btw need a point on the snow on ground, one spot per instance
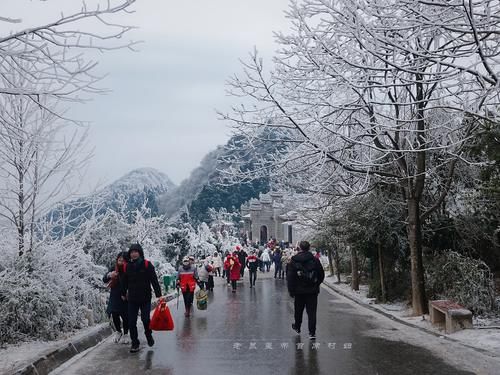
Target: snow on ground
(17, 356)
(480, 337)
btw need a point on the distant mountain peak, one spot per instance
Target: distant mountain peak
(142, 178)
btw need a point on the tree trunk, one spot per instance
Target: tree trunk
(330, 261)
(20, 221)
(419, 300)
(337, 264)
(354, 269)
(381, 273)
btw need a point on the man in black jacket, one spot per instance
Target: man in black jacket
(139, 277)
(305, 275)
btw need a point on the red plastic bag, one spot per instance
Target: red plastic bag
(162, 319)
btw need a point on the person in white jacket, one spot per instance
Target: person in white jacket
(266, 259)
(217, 264)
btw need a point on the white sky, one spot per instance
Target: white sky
(161, 111)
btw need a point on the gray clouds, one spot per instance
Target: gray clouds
(161, 111)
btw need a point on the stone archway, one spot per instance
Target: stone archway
(263, 234)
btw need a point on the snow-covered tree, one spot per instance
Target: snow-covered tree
(375, 92)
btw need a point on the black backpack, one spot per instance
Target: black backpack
(307, 272)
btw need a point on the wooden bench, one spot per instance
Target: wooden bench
(450, 314)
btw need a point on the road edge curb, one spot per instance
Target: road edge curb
(392, 317)
(56, 358)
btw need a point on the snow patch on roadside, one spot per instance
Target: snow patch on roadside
(480, 337)
(13, 357)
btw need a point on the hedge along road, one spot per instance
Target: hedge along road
(250, 333)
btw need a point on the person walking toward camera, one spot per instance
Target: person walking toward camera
(139, 277)
(187, 279)
(253, 266)
(304, 277)
(233, 265)
(117, 308)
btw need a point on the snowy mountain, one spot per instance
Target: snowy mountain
(134, 190)
(139, 180)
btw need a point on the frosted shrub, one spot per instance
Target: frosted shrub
(48, 293)
(465, 280)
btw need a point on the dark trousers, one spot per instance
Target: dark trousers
(228, 276)
(242, 271)
(278, 270)
(188, 299)
(118, 317)
(210, 283)
(133, 312)
(253, 276)
(233, 284)
(310, 302)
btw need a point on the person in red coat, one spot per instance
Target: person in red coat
(232, 264)
(187, 279)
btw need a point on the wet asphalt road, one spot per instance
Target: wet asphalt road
(249, 333)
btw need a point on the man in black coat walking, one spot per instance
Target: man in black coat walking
(304, 277)
(139, 277)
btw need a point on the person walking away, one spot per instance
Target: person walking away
(139, 277)
(117, 308)
(278, 270)
(261, 262)
(266, 259)
(233, 265)
(252, 265)
(305, 275)
(217, 264)
(187, 278)
(242, 257)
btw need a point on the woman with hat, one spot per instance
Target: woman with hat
(187, 279)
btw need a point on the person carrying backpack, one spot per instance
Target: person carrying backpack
(117, 308)
(187, 279)
(305, 275)
(139, 277)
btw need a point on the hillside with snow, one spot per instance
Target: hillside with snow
(139, 180)
(139, 188)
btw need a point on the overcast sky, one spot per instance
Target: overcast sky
(161, 111)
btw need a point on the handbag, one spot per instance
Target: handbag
(162, 318)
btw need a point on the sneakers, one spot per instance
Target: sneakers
(312, 336)
(125, 340)
(234, 290)
(118, 336)
(295, 328)
(150, 339)
(134, 348)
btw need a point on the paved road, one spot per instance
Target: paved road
(249, 333)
